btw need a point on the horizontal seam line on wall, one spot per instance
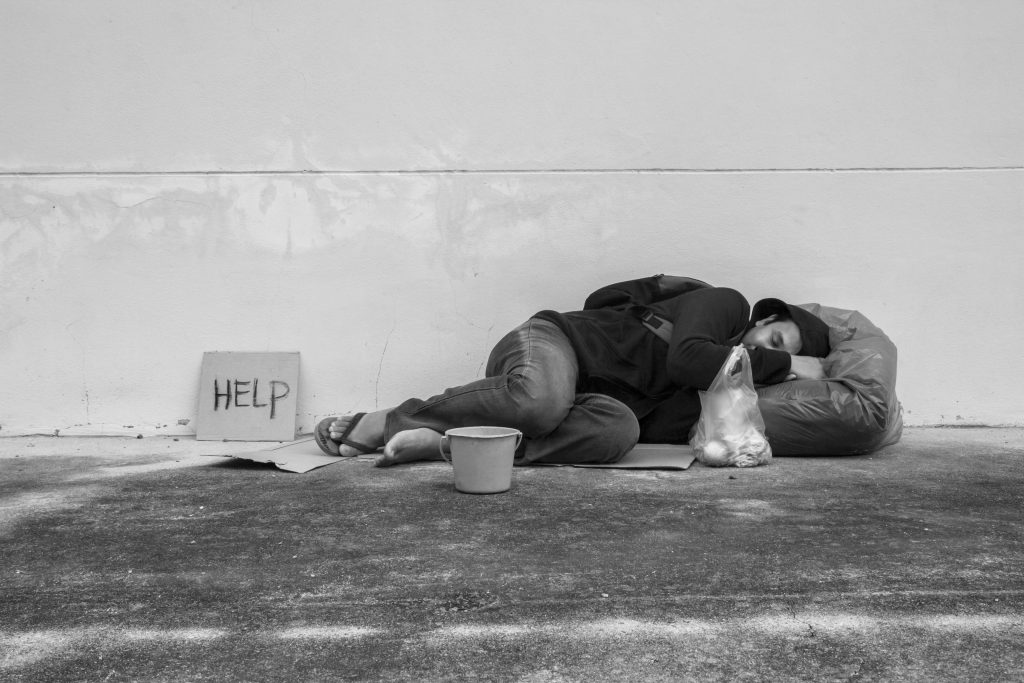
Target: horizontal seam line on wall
(516, 171)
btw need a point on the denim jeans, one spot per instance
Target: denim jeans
(531, 386)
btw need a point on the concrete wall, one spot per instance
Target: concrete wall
(388, 186)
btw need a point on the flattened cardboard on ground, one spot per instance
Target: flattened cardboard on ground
(653, 456)
(298, 456)
(248, 396)
(304, 455)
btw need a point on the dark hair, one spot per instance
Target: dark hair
(813, 331)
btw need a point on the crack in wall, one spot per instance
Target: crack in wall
(515, 171)
(380, 366)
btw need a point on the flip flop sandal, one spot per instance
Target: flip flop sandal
(330, 446)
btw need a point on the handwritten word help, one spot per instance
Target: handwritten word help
(246, 394)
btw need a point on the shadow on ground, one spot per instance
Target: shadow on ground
(140, 560)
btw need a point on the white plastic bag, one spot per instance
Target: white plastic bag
(730, 430)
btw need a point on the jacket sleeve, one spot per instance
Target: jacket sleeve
(638, 292)
(707, 323)
(641, 292)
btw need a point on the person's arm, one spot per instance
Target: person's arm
(806, 367)
(706, 325)
(638, 292)
(642, 292)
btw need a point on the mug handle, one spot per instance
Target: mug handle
(446, 449)
(519, 440)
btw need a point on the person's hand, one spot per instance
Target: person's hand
(806, 367)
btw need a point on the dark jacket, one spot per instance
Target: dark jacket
(620, 357)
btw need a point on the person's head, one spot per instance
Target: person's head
(774, 324)
(777, 331)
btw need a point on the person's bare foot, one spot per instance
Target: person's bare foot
(409, 446)
(369, 431)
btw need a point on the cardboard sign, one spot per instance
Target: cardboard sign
(248, 396)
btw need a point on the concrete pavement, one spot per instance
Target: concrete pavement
(138, 559)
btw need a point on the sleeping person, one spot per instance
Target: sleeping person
(586, 386)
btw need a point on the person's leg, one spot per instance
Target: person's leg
(530, 385)
(598, 429)
(536, 369)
